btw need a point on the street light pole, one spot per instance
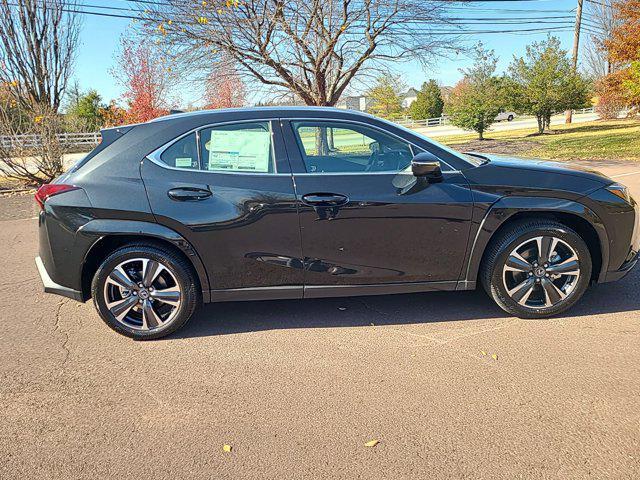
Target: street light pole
(576, 44)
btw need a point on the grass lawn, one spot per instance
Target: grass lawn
(599, 140)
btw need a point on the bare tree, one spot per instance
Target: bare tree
(602, 21)
(30, 148)
(39, 40)
(312, 48)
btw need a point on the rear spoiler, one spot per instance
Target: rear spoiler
(107, 137)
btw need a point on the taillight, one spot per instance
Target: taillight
(50, 189)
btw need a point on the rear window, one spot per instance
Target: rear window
(182, 154)
(241, 147)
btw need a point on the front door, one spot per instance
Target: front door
(364, 218)
(228, 190)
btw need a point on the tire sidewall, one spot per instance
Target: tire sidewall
(183, 277)
(584, 260)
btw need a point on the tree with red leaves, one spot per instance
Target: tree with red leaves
(224, 87)
(145, 80)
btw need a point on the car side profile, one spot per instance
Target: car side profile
(508, 116)
(289, 203)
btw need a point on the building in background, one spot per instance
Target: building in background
(409, 97)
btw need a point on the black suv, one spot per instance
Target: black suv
(278, 203)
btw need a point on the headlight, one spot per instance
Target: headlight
(621, 191)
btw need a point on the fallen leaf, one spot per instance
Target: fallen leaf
(226, 448)
(371, 443)
(494, 356)
(483, 352)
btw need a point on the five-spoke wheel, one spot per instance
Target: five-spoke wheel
(541, 272)
(142, 293)
(536, 268)
(145, 291)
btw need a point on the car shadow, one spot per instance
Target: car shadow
(420, 308)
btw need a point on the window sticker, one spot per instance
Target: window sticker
(242, 150)
(184, 162)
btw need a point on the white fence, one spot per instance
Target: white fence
(33, 140)
(429, 122)
(439, 121)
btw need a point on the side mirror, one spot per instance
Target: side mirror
(426, 165)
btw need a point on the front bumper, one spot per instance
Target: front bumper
(618, 274)
(52, 287)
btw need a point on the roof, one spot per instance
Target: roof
(288, 109)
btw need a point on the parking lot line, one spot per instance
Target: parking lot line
(626, 174)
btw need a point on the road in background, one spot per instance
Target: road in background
(516, 124)
(449, 384)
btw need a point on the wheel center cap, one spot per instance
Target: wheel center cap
(539, 272)
(143, 294)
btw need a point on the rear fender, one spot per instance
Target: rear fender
(94, 231)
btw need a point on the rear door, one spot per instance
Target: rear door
(228, 189)
(363, 218)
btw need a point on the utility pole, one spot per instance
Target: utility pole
(576, 44)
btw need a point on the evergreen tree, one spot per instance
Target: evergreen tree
(429, 103)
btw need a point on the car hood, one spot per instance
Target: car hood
(503, 175)
(507, 161)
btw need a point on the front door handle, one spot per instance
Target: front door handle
(325, 199)
(189, 194)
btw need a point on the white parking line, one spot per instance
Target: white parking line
(626, 174)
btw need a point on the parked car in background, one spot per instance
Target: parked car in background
(285, 203)
(508, 116)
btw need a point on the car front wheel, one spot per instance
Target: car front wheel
(537, 269)
(145, 292)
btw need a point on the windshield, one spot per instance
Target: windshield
(473, 160)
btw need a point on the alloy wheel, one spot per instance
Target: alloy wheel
(142, 294)
(541, 272)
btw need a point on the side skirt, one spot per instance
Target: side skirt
(325, 291)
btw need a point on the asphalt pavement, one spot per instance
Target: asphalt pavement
(448, 384)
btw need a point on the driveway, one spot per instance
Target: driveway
(446, 382)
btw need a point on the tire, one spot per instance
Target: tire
(510, 118)
(508, 280)
(154, 308)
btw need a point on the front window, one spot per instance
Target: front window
(338, 147)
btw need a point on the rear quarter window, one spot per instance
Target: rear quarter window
(182, 154)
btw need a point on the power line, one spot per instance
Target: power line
(515, 20)
(564, 26)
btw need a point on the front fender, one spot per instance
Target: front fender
(94, 231)
(499, 213)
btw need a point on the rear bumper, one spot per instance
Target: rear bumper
(52, 287)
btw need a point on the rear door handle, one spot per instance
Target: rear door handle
(325, 199)
(189, 194)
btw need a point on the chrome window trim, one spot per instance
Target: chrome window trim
(156, 155)
(375, 127)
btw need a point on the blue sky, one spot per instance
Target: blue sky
(100, 39)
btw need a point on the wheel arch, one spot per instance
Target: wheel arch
(105, 236)
(573, 214)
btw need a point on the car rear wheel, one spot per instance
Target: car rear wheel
(510, 118)
(145, 292)
(537, 269)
